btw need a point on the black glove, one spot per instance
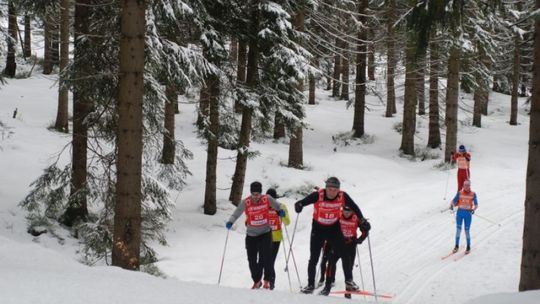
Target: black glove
(365, 226)
(361, 238)
(298, 207)
(472, 211)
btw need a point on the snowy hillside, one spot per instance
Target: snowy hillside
(402, 198)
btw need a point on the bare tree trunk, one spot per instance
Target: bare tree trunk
(312, 87)
(62, 111)
(409, 106)
(210, 206)
(11, 66)
(371, 54)
(204, 107)
(481, 94)
(169, 143)
(47, 60)
(452, 94)
(421, 86)
(233, 50)
(127, 217)
(279, 126)
(360, 89)
(530, 263)
(55, 39)
(515, 82)
(245, 127)
(337, 71)
(241, 71)
(77, 209)
(434, 138)
(296, 150)
(391, 60)
(345, 72)
(27, 36)
(477, 110)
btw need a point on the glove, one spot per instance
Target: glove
(361, 238)
(281, 213)
(451, 206)
(365, 226)
(472, 211)
(228, 225)
(298, 207)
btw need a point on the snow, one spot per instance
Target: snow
(402, 198)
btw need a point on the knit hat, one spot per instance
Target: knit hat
(462, 148)
(272, 192)
(255, 187)
(332, 182)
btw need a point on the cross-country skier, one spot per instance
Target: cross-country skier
(349, 224)
(258, 233)
(467, 203)
(325, 227)
(277, 234)
(463, 159)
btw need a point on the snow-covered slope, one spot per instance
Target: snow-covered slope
(402, 198)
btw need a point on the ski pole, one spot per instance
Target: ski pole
(487, 220)
(223, 257)
(372, 270)
(285, 254)
(291, 252)
(360, 269)
(446, 187)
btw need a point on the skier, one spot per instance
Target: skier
(258, 233)
(467, 203)
(325, 227)
(463, 159)
(277, 234)
(349, 224)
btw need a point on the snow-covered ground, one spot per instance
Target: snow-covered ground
(402, 198)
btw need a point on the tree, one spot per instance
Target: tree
(409, 106)
(390, 58)
(360, 89)
(127, 218)
(516, 69)
(61, 123)
(530, 264)
(421, 86)
(169, 144)
(434, 137)
(452, 94)
(11, 65)
(27, 36)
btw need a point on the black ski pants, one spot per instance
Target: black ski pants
(350, 253)
(334, 238)
(259, 256)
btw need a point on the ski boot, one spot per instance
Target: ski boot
(456, 248)
(308, 289)
(266, 284)
(256, 285)
(351, 286)
(326, 290)
(468, 250)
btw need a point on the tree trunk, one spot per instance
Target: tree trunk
(421, 86)
(515, 82)
(204, 107)
(241, 71)
(371, 55)
(169, 144)
(27, 36)
(296, 150)
(434, 138)
(530, 262)
(210, 206)
(62, 111)
(409, 106)
(245, 127)
(279, 126)
(337, 71)
(391, 60)
(452, 95)
(312, 87)
(55, 39)
(360, 89)
(11, 66)
(477, 110)
(47, 60)
(77, 209)
(345, 72)
(233, 50)
(127, 217)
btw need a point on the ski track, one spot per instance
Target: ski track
(410, 286)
